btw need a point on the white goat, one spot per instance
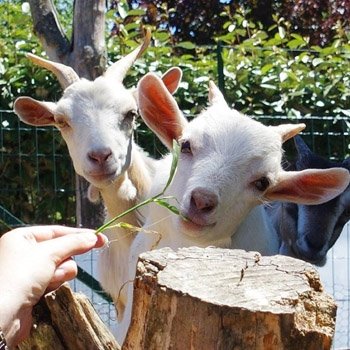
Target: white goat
(309, 231)
(229, 164)
(96, 119)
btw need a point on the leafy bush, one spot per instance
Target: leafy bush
(269, 74)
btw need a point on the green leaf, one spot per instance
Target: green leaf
(292, 76)
(283, 76)
(127, 226)
(281, 32)
(123, 9)
(266, 68)
(293, 44)
(168, 206)
(317, 61)
(161, 36)
(175, 153)
(131, 26)
(186, 45)
(136, 12)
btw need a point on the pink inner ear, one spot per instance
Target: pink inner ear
(172, 78)
(312, 186)
(159, 110)
(33, 112)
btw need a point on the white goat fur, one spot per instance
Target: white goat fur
(96, 120)
(230, 152)
(93, 117)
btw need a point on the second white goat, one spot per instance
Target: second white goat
(228, 166)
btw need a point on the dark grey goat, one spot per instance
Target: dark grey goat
(308, 231)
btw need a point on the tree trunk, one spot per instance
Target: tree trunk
(86, 53)
(87, 214)
(88, 56)
(48, 29)
(66, 320)
(228, 299)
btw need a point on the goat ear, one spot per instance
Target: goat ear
(35, 112)
(172, 79)
(159, 109)
(288, 131)
(215, 95)
(311, 186)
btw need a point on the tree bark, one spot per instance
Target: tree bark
(48, 29)
(66, 320)
(88, 57)
(228, 299)
(86, 54)
(88, 214)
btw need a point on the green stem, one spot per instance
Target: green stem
(175, 152)
(112, 221)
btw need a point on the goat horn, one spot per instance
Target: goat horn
(119, 69)
(65, 74)
(215, 95)
(287, 131)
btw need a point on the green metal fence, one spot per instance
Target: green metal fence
(37, 187)
(37, 180)
(36, 174)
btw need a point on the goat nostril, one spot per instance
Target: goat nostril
(100, 156)
(204, 200)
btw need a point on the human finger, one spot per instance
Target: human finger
(43, 233)
(66, 271)
(101, 240)
(66, 246)
(55, 231)
(53, 286)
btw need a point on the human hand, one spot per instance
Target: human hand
(35, 260)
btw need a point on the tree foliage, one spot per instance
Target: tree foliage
(200, 21)
(321, 20)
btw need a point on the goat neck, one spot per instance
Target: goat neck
(130, 187)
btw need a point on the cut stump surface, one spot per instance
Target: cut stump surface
(215, 298)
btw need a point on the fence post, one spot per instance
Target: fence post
(220, 67)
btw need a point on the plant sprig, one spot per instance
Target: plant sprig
(157, 199)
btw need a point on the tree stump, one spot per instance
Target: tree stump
(228, 299)
(67, 321)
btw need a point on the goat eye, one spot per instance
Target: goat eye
(186, 147)
(131, 115)
(262, 184)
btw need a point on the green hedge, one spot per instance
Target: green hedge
(267, 76)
